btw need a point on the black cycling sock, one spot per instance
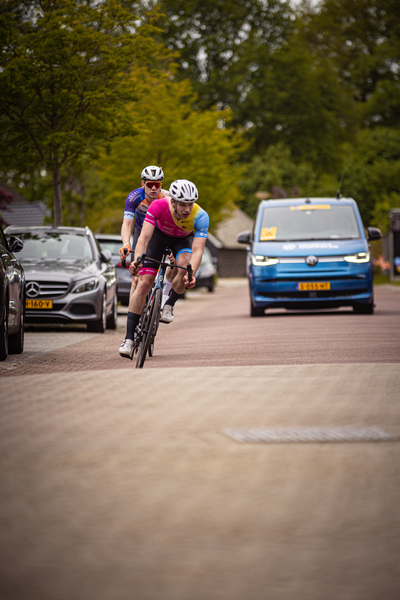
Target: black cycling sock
(132, 321)
(173, 297)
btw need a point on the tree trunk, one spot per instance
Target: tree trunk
(57, 197)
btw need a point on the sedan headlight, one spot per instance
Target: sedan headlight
(86, 286)
(360, 257)
(263, 261)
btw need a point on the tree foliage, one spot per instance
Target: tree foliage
(63, 68)
(274, 174)
(190, 144)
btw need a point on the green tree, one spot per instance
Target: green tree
(274, 174)
(221, 42)
(372, 174)
(361, 38)
(250, 57)
(63, 76)
(187, 143)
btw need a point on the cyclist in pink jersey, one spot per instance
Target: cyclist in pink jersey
(180, 224)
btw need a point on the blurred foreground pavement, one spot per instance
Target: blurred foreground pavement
(121, 484)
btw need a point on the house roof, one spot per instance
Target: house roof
(227, 232)
(21, 212)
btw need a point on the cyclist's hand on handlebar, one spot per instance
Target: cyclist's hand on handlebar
(189, 284)
(171, 258)
(124, 251)
(135, 266)
(133, 269)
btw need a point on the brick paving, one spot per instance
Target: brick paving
(118, 483)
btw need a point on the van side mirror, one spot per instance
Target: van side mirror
(374, 234)
(244, 237)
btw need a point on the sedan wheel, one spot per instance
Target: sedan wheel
(112, 319)
(99, 326)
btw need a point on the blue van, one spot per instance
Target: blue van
(310, 253)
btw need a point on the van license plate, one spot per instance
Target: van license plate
(313, 286)
(39, 304)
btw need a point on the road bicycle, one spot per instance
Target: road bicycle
(146, 330)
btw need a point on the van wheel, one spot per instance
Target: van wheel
(364, 309)
(255, 311)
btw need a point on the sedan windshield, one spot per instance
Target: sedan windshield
(309, 222)
(55, 246)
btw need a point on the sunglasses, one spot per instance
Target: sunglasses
(153, 184)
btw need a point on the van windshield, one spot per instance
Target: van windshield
(309, 222)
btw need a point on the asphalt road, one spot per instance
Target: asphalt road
(118, 483)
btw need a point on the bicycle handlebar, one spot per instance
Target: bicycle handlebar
(142, 257)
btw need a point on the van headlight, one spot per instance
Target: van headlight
(360, 257)
(263, 261)
(85, 286)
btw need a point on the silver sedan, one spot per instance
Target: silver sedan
(68, 278)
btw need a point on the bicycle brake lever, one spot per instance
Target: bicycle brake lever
(190, 272)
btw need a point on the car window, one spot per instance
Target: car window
(309, 221)
(111, 245)
(55, 246)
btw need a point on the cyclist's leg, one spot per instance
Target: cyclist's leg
(146, 278)
(135, 278)
(182, 251)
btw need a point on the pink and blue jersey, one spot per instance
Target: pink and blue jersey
(160, 214)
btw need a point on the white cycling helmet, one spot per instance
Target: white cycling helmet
(152, 173)
(183, 190)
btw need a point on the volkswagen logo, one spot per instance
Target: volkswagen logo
(311, 260)
(32, 289)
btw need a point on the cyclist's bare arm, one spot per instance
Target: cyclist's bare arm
(144, 239)
(197, 253)
(126, 236)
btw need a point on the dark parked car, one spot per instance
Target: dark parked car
(69, 279)
(12, 298)
(113, 243)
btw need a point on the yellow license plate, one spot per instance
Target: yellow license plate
(39, 304)
(314, 286)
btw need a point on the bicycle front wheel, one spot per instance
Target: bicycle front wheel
(154, 331)
(149, 326)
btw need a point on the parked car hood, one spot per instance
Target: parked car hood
(306, 247)
(57, 267)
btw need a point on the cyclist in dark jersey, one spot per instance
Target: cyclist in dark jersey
(136, 205)
(176, 222)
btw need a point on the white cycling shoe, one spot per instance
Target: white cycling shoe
(126, 348)
(167, 315)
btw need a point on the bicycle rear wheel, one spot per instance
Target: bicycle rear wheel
(149, 328)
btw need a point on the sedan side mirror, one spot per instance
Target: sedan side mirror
(374, 234)
(244, 237)
(105, 256)
(15, 245)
